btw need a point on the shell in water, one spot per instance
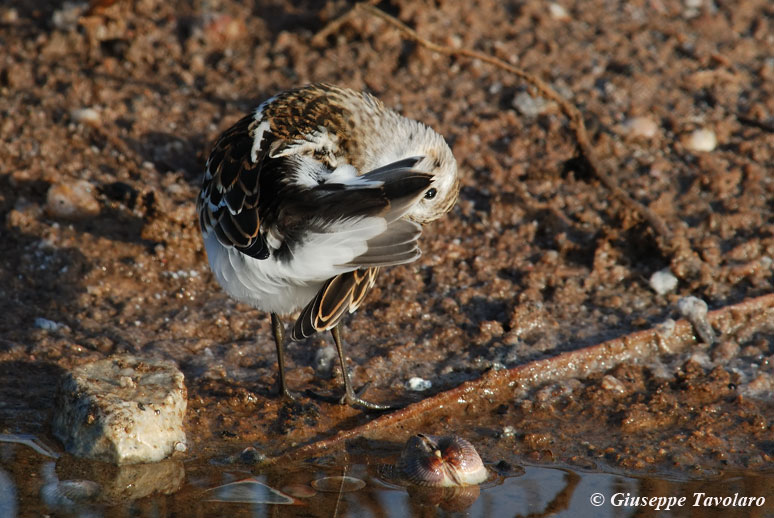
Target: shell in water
(441, 461)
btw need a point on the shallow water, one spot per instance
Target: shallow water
(33, 485)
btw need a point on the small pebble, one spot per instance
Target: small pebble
(695, 310)
(641, 127)
(66, 17)
(418, 384)
(702, 140)
(72, 200)
(663, 281)
(529, 106)
(323, 361)
(508, 432)
(88, 115)
(613, 384)
(558, 12)
(47, 325)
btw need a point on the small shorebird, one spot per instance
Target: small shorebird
(305, 198)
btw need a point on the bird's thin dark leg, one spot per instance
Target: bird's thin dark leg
(279, 341)
(350, 397)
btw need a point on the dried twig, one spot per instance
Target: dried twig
(755, 123)
(570, 111)
(496, 387)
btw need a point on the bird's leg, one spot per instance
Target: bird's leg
(279, 341)
(350, 397)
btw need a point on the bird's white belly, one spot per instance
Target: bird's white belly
(268, 284)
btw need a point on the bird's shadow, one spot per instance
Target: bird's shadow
(27, 406)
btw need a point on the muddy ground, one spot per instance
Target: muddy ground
(107, 115)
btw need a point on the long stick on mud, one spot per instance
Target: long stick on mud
(497, 387)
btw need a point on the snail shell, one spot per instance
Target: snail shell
(441, 461)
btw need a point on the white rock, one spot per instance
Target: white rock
(72, 200)
(702, 140)
(558, 12)
(89, 115)
(692, 308)
(100, 416)
(66, 17)
(695, 310)
(529, 106)
(418, 384)
(663, 281)
(641, 127)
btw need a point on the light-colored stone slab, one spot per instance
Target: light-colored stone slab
(122, 410)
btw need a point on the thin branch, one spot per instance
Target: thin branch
(569, 110)
(497, 387)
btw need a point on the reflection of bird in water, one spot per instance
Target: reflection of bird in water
(69, 497)
(306, 198)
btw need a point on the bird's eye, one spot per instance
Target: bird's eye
(430, 194)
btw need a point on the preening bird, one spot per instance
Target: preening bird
(307, 197)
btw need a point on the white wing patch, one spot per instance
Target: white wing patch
(283, 286)
(262, 127)
(348, 175)
(259, 130)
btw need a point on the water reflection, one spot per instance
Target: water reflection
(175, 489)
(68, 497)
(7, 495)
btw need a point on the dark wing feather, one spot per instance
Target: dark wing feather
(297, 213)
(340, 295)
(228, 202)
(344, 293)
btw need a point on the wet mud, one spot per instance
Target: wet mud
(108, 113)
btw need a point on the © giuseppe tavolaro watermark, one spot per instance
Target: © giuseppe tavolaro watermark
(665, 503)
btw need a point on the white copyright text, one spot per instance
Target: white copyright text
(665, 503)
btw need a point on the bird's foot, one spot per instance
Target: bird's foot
(354, 400)
(287, 395)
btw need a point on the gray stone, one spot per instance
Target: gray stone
(122, 410)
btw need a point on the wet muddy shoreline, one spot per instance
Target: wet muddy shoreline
(108, 114)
